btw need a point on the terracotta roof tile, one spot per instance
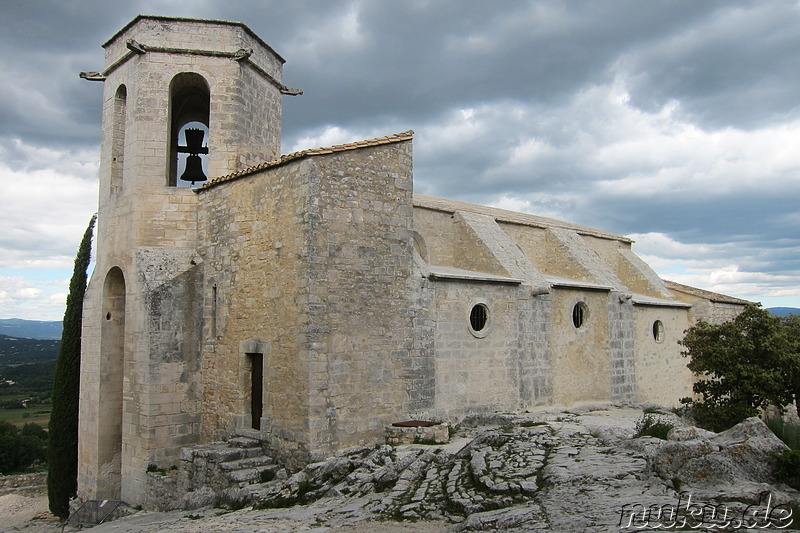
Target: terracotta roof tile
(388, 139)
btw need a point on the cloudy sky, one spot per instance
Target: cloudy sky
(676, 123)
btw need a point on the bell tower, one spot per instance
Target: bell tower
(183, 100)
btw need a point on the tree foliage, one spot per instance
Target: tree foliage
(62, 450)
(742, 365)
(20, 449)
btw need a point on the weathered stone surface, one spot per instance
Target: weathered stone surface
(202, 497)
(689, 433)
(528, 515)
(434, 434)
(523, 473)
(733, 456)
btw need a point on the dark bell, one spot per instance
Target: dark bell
(194, 140)
(194, 169)
(194, 165)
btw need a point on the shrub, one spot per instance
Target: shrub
(652, 426)
(788, 433)
(718, 416)
(786, 467)
(742, 366)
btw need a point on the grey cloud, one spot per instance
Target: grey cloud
(737, 67)
(413, 64)
(751, 225)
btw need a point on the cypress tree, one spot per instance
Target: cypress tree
(62, 446)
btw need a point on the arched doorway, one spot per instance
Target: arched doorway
(112, 359)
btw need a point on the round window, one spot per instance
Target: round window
(479, 323)
(478, 317)
(658, 331)
(579, 314)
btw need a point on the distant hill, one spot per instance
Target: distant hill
(16, 350)
(30, 329)
(784, 311)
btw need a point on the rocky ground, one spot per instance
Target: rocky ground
(580, 470)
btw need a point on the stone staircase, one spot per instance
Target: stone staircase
(222, 466)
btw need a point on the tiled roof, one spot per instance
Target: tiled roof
(502, 215)
(708, 295)
(389, 139)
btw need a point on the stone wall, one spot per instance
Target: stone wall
(476, 371)
(720, 312)
(255, 258)
(556, 362)
(24, 484)
(621, 347)
(661, 374)
(533, 242)
(313, 259)
(638, 276)
(362, 308)
(437, 230)
(534, 359)
(581, 362)
(169, 383)
(472, 249)
(419, 368)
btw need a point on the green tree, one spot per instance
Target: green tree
(742, 365)
(62, 449)
(792, 331)
(9, 447)
(21, 449)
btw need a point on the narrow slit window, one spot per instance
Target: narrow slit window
(214, 311)
(118, 138)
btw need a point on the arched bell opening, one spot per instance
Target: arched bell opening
(190, 99)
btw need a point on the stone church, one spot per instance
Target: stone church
(308, 300)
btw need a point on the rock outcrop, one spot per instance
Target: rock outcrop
(581, 470)
(733, 464)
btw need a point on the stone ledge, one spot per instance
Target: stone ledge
(417, 432)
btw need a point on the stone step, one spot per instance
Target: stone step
(216, 452)
(249, 462)
(244, 442)
(251, 475)
(252, 452)
(224, 455)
